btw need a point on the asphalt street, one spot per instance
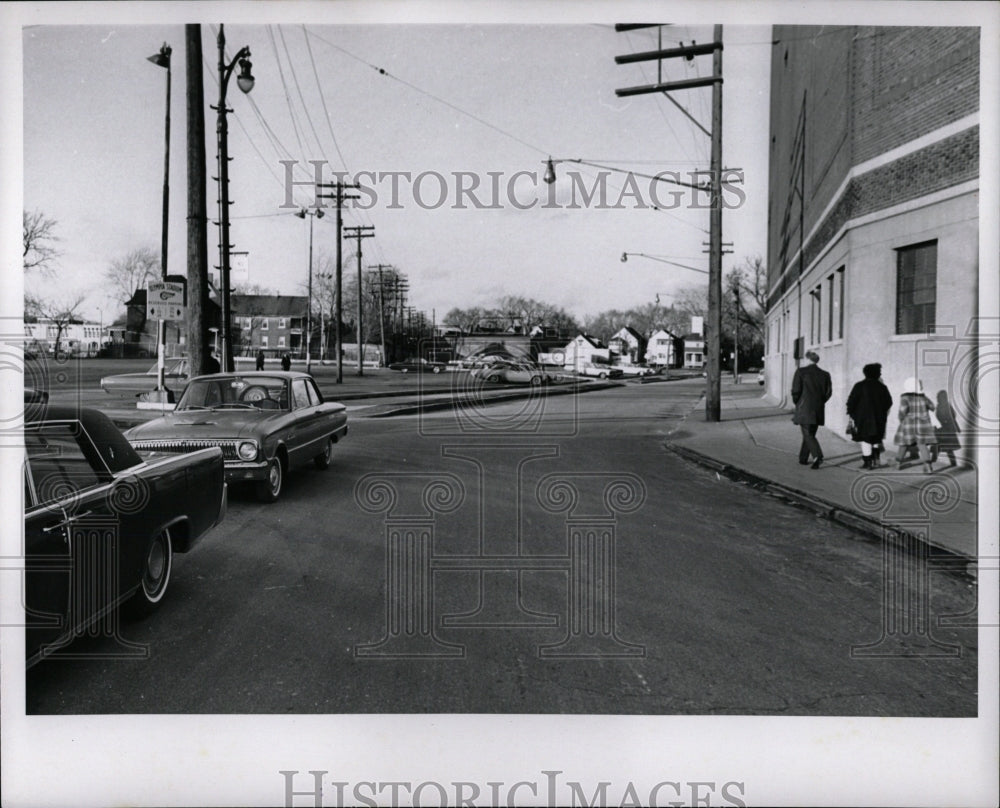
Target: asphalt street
(540, 556)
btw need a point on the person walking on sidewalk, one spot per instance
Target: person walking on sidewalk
(868, 406)
(915, 424)
(286, 362)
(811, 389)
(260, 359)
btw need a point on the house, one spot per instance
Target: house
(664, 349)
(585, 350)
(275, 324)
(627, 347)
(694, 350)
(873, 237)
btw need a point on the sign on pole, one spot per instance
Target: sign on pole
(165, 300)
(239, 267)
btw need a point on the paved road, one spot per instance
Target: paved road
(508, 522)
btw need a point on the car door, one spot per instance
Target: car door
(309, 427)
(71, 536)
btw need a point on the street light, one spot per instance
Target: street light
(316, 214)
(162, 59)
(245, 81)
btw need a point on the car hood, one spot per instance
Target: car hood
(217, 424)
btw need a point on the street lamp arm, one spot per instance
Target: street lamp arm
(625, 256)
(705, 186)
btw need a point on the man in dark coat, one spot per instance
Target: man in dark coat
(811, 389)
(260, 360)
(868, 405)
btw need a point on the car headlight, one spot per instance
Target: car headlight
(247, 450)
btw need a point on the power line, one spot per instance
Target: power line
(298, 88)
(382, 71)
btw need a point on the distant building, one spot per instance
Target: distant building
(694, 350)
(81, 338)
(664, 349)
(873, 242)
(275, 324)
(585, 350)
(628, 346)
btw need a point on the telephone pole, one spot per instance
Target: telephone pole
(197, 208)
(360, 232)
(381, 306)
(713, 324)
(339, 197)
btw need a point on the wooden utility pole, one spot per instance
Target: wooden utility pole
(381, 306)
(360, 232)
(713, 330)
(713, 324)
(339, 197)
(197, 217)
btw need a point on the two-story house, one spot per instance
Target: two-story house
(627, 347)
(275, 324)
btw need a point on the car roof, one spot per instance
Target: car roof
(115, 450)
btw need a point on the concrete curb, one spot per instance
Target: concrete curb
(452, 403)
(828, 510)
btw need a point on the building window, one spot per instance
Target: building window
(263, 342)
(263, 323)
(281, 342)
(816, 331)
(281, 322)
(916, 288)
(835, 320)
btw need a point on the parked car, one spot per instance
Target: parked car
(265, 422)
(133, 384)
(512, 373)
(101, 523)
(419, 366)
(635, 370)
(601, 371)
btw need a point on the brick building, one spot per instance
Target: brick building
(873, 209)
(274, 323)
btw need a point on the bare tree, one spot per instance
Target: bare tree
(132, 271)
(59, 313)
(39, 237)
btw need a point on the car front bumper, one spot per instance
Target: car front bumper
(240, 471)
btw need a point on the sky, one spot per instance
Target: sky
(489, 101)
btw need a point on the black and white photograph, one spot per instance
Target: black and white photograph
(492, 404)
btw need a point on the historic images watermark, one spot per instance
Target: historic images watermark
(521, 190)
(411, 504)
(314, 788)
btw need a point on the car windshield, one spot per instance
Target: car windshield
(236, 392)
(169, 366)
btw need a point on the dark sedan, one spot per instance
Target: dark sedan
(419, 366)
(264, 421)
(134, 384)
(101, 524)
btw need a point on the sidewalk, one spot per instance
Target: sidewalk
(757, 442)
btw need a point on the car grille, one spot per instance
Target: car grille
(188, 445)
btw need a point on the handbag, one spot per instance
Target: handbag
(851, 428)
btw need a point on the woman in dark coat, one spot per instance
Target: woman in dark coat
(915, 425)
(868, 405)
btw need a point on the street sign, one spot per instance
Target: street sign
(239, 267)
(165, 300)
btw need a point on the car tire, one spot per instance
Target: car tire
(602, 375)
(156, 567)
(536, 381)
(270, 489)
(435, 370)
(322, 461)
